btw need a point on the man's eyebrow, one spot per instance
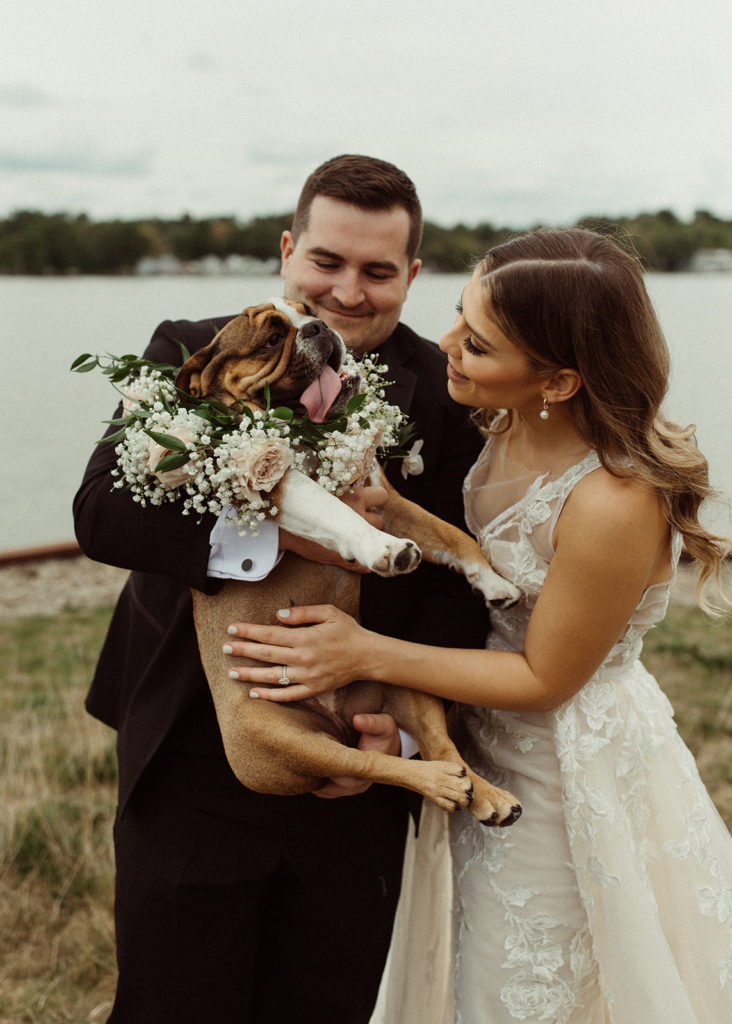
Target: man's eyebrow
(318, 250)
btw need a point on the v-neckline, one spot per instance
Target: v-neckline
(539, 482)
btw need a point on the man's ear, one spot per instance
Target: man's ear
(413, 271)
(287, 246)
(562, 385)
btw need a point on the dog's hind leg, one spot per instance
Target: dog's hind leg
(290, 754)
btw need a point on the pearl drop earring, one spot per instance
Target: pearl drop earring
(544, 414)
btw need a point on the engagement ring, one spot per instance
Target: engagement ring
(284, 679)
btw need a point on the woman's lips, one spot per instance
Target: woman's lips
(454, 375)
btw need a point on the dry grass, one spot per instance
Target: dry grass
(57, 794)
(691, 656)
(57, 776)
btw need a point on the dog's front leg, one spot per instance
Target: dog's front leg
(444, 544)
(308, 510)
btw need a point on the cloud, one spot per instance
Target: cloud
(77, 162)
(22, 95)
(201, 62)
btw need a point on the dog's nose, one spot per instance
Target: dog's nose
(310, 330)
(329, 343)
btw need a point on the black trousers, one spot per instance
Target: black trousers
(262, 910)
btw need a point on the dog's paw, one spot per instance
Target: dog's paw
(395, 557)
(446, 783)
(494, 808)
(497, 592)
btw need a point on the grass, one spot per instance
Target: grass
(57, 792)
(691, 656)
(57, 797)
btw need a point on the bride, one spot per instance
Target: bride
(611, 899)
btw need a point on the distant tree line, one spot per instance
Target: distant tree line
(40, 243)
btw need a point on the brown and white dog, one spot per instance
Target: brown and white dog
(294, 748)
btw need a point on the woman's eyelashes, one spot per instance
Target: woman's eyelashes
(470, 347)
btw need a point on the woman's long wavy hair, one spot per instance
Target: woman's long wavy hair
(575, 299)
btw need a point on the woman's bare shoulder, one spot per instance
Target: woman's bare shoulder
(615, 507)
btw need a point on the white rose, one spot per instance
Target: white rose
(171, 478)
(262, 464)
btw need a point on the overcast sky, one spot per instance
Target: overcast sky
(509, 111)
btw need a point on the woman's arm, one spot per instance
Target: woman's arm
(611, 542)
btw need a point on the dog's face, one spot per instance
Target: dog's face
(279, 344)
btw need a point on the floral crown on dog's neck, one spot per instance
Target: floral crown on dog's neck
(215, 458)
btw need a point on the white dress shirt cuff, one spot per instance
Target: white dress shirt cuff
(236, 556)
(409, 744)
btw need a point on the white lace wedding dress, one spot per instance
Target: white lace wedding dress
(610, 900)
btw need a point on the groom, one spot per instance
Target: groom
(230, 905)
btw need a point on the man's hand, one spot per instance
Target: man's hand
(366, 501)
(378, 732)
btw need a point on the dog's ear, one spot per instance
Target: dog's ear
(189, 375)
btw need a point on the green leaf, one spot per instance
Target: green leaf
(283, 413)
(113, 438)
(355, 403)
(219, 407)
(167, 441)
(174, 461)
(121, 421)
(184, 351)
(76, 365)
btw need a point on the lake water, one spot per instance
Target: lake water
(50, 418)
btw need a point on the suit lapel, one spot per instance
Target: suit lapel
(396, 352)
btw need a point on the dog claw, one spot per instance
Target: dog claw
(512, 817)
(499, 603)
(496, 822)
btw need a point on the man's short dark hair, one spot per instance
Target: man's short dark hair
(365, 182)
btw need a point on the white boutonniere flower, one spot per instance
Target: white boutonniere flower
(413, 463)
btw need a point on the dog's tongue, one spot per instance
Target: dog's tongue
(320, 395)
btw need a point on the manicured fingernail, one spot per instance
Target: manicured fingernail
(253, 693)
(284, 613)
(228, 649)
(232, 630)
(233, 674)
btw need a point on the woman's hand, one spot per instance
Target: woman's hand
(314, 659)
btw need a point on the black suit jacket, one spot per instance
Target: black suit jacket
(149, 672)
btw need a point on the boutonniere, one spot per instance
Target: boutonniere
(412, 462)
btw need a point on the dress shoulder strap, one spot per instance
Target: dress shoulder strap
(566, 483)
